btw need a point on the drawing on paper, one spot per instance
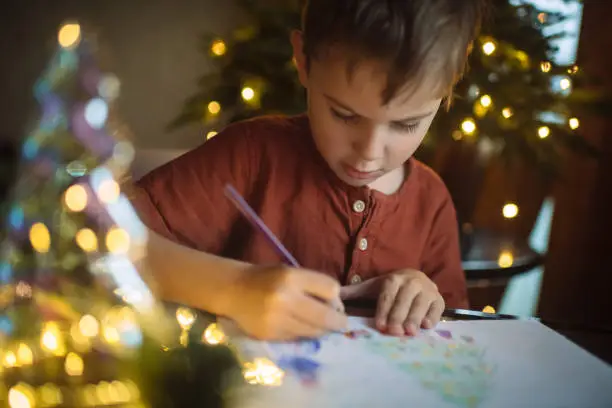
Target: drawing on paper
(299, 358)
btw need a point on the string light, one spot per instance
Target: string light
(565, 83)
(211, 134)
(213, 335)
(248, 93)
(545, 66)
(489, 47)
(506, 259)
(218, 48)
(510, 210)
(109, 191)
(263, 372)
(488, 309)
(51, 339)
(507, 112)
(185, 317)
(457, 135)
(468, 126)
(573, 70)
(69, 35)
(76, 198)
(544, 132)
(89, 326)
(40, 238)
(574, 123)
(542, 17)
(87, 240)
(117, 241)
(21, 396)
(24, 355)
(9, 360)
(74, 365)
(486, 101)
(214, 108)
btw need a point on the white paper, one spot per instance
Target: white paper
(483, 364)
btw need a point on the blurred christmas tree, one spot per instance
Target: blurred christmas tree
(514, 102)
(78, 325)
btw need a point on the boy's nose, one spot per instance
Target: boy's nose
(370, 145)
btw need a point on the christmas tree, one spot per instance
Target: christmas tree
(513, 103)
(78, 324)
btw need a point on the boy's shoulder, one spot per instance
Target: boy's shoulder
(431, 187)
(271, 128)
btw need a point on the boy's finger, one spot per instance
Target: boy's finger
(317, 314)
(401, 308)
(316, 284)
(389, 290)
(434, 313)
(418, 310)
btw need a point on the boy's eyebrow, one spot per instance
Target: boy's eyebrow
(408, 119)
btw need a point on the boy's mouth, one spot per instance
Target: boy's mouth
(360, 175)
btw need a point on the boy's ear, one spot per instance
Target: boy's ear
(297, 42)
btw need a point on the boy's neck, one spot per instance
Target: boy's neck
(391, 182)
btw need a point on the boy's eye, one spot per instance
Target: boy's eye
(406, 127)
(347, 118)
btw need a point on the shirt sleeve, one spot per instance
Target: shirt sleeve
(442, 260)
(184, 199)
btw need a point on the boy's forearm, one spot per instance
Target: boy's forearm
(193, 278)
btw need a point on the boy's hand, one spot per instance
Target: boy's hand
(407, 301)
(282, 303)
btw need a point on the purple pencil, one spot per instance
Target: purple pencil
(259, 225)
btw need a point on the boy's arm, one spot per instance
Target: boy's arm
(442, 258)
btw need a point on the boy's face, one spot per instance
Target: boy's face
(362, 139)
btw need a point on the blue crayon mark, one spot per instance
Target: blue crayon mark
(305, 368)
(5, 273)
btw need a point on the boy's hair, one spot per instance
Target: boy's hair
(418, 40)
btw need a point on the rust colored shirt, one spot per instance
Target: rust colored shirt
(350, 233)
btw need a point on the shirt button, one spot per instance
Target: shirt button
(355, 279)
(358, 206)
(363, 244)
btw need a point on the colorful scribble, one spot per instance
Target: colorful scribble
(357, 334)
(298, 358)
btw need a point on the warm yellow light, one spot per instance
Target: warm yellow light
(21, 396)
(523, 59)
(573, 70)
(109, 191)
(468, 126)
(79, 341)
(111, 335)
(574, 123)
(10, 359)
(505, 259)
(544, 132)
(74, 365)
(76, 198)
(510, 210)
(117, 241)
(214, 108)
(263, 372)
(479, 110)
(486, 101)
(507, 113)
(488, 309)
(40, 238)
(87, 240)
(489, 47)
(51, 339)
(211, 134)
(545, 66)
(213, 335)
(457, 135)
(565, 83)
(69, 35)
(50, 395)
(248, 93)
(104, 393)
(121, 392)
(218, 48)
(542, 17)
(89, 326)
(185, 317)
(24, 355)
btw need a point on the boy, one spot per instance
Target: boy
(338, 186)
